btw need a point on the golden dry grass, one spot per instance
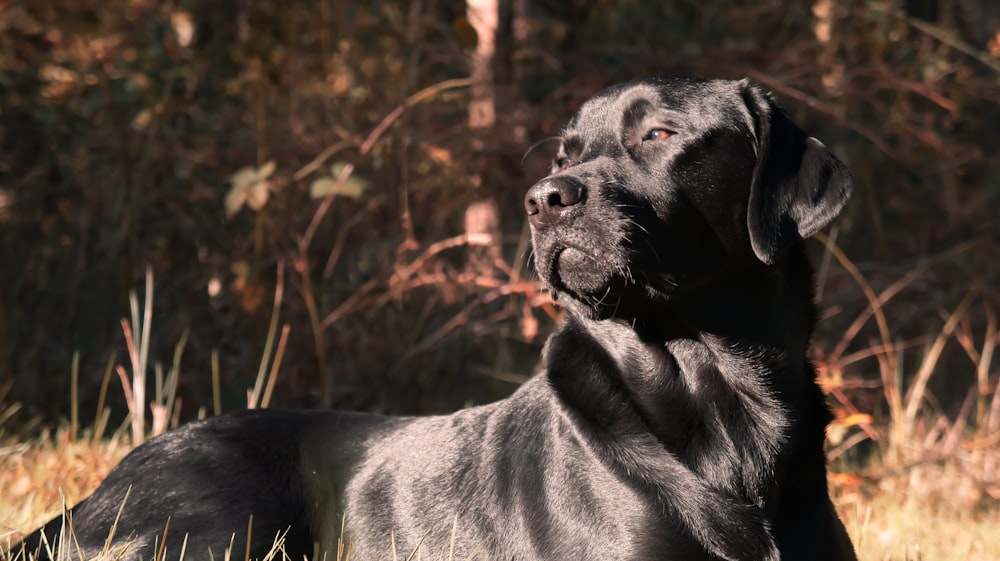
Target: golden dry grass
(931, 491)
(901, 527)
(911, 517)
(36, 476)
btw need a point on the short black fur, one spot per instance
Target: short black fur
(677, 418)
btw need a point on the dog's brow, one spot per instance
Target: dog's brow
(572, 144)
(635, 113)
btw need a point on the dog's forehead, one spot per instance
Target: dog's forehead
(707, 101)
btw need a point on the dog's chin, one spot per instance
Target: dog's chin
(576, 273)
(602, 290)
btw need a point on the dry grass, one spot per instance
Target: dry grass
(36, 476)
(931, 485)
(909, 517)
(907, 525)
(929, 488)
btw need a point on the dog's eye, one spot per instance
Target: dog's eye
(562, 163)
(657, 134)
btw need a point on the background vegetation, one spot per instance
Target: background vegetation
(329, 217)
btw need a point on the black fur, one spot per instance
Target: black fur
(677, 419)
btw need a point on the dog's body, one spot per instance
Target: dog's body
(677, 417)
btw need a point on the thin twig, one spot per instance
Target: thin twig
(983, 366)
(366, 146)
(275, 366)
(324, 206)
(952, 41)
(873, 300)
(918, 387)
(322, 157)
(891, 291)
(216, 386)
(265, 359)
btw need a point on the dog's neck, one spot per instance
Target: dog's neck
(745, 301)
(687, 372)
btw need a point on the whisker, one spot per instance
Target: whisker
(639, 226)
(645, 239)
(536, 145)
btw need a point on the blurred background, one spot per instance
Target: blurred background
(318, 203)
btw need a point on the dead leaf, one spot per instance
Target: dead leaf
(352, 186)
(250, 186)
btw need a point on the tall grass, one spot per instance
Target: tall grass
(39, 477)
(933, 472)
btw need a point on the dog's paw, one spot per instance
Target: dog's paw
(752, 546)
(739, 533)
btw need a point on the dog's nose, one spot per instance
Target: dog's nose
(548, 199)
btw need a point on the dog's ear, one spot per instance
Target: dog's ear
(798, 185)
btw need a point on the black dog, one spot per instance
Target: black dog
(677, 419)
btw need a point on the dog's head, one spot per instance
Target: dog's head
(665, 182)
